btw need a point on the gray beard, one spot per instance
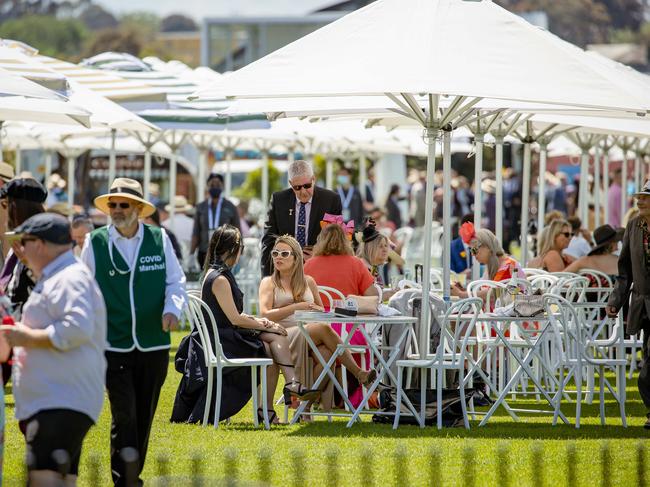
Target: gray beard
(126, 222)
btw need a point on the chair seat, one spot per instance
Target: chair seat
(247, 362)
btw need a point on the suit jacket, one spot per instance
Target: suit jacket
(229, 215)
(633, 279)
(281, 221)
(458, 263)
(356, 206)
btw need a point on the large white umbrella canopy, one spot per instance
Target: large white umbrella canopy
(435, 48)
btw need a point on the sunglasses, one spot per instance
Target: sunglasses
(474, 250)
(567, 234)
(24, 240)
(281, 253)
(112, 205)
(298, 187)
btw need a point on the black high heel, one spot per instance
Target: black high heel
(272, 416)
(302, 393)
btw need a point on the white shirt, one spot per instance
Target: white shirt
(175, 297)
(307, 212)
(578, 247)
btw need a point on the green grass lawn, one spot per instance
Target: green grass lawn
(529, 452)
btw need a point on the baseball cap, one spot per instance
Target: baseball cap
(50, 227)
(24, 189)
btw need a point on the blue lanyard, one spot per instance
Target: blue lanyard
(346, 199)
(214, 217)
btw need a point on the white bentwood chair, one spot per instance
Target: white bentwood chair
(215, 360)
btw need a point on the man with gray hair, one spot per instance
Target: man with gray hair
(297, 211)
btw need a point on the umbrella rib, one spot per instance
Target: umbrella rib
(404, 106)
(414, 107)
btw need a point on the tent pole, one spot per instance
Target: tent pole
(329, 173)
(597, 204)
(478, 192)
(71, 181)
(584, 185)
(606, 181)
(291, 154)
(624, 183)
(430, 134)
(112, 160)
(446, 217)
(204, 156)
(19, 161)
(525, 199)
(637, 167)
(265, 180)
(172, 187)
(48, 166)
(498, 217)
(147, 173)
(363, 174)
(229, 154)
(541, 196)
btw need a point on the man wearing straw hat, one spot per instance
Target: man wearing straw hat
(144, 290)
(634, 278)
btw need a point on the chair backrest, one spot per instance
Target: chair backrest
(495, 290)
(330, 294)
(600, 277)
(543, 282)
(567, 332)
(531, 271)
(458, 325)
(572, 288)
(197, 311)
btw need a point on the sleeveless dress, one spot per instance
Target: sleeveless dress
(235, 342)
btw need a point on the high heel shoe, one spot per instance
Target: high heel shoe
(367, 377)
(273, 417)
(301, 393)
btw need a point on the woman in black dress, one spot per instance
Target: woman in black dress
(241, 336)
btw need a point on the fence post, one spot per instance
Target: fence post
(401, 471)
(435, 470)
(299, 467)
(197, 469)
(366, 465)
(503, 467)
(537, 462)
(264, 459)
(469, 471)
(332, 467)
(571, 463)
(606, 461)
(230, 455)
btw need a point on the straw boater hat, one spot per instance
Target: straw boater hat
(125, 188)
(180, 204)
(6, 172)
(645, 190)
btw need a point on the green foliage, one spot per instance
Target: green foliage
(252, 187)
(51, 36)
(127, 40)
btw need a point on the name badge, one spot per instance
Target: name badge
(346, 214)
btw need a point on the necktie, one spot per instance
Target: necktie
(302, 222)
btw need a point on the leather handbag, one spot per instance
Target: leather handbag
(528, 305)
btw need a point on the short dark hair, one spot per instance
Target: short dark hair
(214, 175)
(575, 223)
(468, 218)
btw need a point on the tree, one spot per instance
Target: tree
(118, 40)
(625, 14)
(252, 187)
(96, 18)
(51, 36)
(178, 23)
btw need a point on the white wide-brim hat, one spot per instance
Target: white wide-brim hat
(180, 204)
(125, 188)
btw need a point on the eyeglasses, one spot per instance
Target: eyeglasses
(567, 234)
(24, 240)
(298, 187)
(474, 250)
(285, 254)
(112, 205)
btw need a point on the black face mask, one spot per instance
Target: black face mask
(215, 192)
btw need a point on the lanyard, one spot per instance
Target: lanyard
(110, 255)
(214, 217)
(346, 199)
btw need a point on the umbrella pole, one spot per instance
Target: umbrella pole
(498, 217)
(584, 185)
(606, 181)
(478, 195)
(228, 179)
(71, 182)
(147, 173)
(112, 160)
(19, 161)
(637, 169)
(624, 184)
(423, 338)
(363, 168)
(329, 173)
(446, 216)
(173, 167)
(541, 196)
(204, 156)
(48, 166)
(525, 200)
(265, 180)
(597, 204)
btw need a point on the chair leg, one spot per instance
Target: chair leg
(578, 379)
(398, 399)
(264, 404)
(439, 383)
(558, 396)
(208, 397)
(621, 393)
(255, 392)
(601, 395)
(423, 397)
(344, 383)
(217, 406)
(463, 405)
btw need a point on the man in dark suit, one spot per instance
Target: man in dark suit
(634, 278)
(297, 211)
(461, 258)
(211, 214)
(350, 198)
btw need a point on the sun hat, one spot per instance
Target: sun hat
(125, 188)
(180, 204)
(6, 172)
(645, 190)
(605, 235)
(24, 189)
(50, 227)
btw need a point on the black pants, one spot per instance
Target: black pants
(644, 371)
(133, 382)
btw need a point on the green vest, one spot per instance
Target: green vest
(135, 299)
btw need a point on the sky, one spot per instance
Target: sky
(199, 9)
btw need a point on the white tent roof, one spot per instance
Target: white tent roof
(454, 47)
(21, 109)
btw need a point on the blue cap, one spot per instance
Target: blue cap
(50, 227)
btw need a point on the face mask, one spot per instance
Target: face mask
(215, 192)
(343, 179)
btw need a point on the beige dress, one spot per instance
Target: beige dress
(299, 346)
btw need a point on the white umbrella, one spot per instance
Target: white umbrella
(425, 47)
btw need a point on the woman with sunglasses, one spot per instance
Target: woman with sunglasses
(487, 250)
(242, 335)
(288, 290)
(555, 237)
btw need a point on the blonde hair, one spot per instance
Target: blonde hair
(369, 250)
(549, 234)
(487, 239)
(332, 241)
(298, 281)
